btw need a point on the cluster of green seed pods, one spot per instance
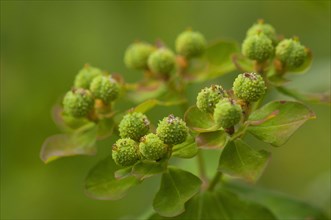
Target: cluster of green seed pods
(137, 143)
(262, 44)
(90, 84)
(225, 107)
(161, 59)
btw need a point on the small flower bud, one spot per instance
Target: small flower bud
(172, 130)
(152, 148)
(190, 44)
(260, 27)
(227, 113)
(137, 54)
(249, 87)
(209, 97)
(162, 61)
(291, 53)
(104, 88)
(85, 76)
(125, 152)
(257, 47)
(78, 102)
(134, 125)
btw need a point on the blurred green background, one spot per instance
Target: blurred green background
(45, 43)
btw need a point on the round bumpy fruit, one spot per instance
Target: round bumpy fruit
(125, 152)
(209, 97)
(104, 88)
(258, 47)
(291, 53)
(162, 61)
(249, 87)
(134, 125)
(266, 29)
(78, 102)
(85, 76)
(137, 54)
(227, 113)
(152, 147)
(172, 130)
(190, 44)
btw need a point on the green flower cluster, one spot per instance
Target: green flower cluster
(225, 108)
(160, 59)
(261, 44)
(137, 143)
(90, 84)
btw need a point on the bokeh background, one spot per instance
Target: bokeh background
(45, 43)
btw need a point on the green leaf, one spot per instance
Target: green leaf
(240, 160)
(275, 78)
(177, 187)
(124, 172)
(80, 142)
(287, 117)
(101, 184)
(146, 169)
(144, 91)
(151, 103)
(221, 205)
(218, 60)
(187, 149)
(242, 63)
(212, 140)
(281, 205)
(314, 98)
(199, 121)
(65, 122)
(105, 128)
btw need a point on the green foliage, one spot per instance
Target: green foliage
(221, 204)
(101, 184)
(238, 159)
(275, 122)
(281, 205)
(199, 121)
(187, 149)
(216, 61)
(212, 140)
(177, 187)
(80, 142)
(219, 121)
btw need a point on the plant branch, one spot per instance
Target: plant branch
(202, 170)
(214, 181)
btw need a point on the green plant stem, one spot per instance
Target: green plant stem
(214, 181)
(202, 170)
